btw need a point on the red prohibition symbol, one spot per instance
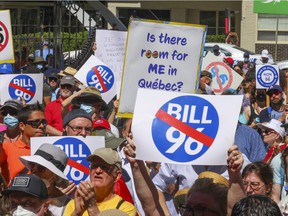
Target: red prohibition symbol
(4, 36)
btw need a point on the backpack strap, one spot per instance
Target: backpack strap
(120, 203)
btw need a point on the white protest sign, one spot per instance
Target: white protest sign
(266, 76)
(77, 148)
(110, 49)
(27, 86)
(160, 55)
(6, 38)
(97, 74)
(184, 128)
(223, 76)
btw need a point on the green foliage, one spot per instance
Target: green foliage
(34, 41)
(216, 38)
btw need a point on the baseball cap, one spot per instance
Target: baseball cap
(76, 113)
(28, 183)
(246, 55)
(108, 155)
(53, 75)
(6, 68)
(275, 125)
(111, 141)
(14, 104)
(229, 60)
(101, 123)
(273, 88)
(67, 80)
(264, 53)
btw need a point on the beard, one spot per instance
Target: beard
(65, 93)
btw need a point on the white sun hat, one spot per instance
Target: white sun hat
(49, 156)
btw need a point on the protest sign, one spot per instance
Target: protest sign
(6, 38)
(223, 76)
(266, 76)
(27, 86)
(110, 49)
(97, 74)
(184, 128)
(77, 148)
(160, 55)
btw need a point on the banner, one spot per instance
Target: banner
(26, 86)
(6, 38)
(161, 56)
(184, 128)
(270, 6)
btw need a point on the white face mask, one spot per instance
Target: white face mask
(23, 212)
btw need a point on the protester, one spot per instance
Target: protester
(256, 205)
(32, 123)
(205, 83)
(97, 195)
(48, 163)
(216, 52)
(53, 82)
(264, 57)
(53, 110)
(27, 195)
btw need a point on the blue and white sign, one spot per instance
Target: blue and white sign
(77, 148)
(24, 86)
(184, 128)
(266, 76)
(97, 74)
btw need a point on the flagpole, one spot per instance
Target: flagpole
(276, 41)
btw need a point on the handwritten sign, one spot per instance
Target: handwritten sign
(6, 39)
(110, 49)
(17, 86)
(160, 56)
(77, 148)
(97, 74)
(184, 128)
(223, 76)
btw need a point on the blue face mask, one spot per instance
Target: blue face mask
(87, 107)
(10, 121)
(39, 66)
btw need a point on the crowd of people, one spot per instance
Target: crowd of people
(253, 182)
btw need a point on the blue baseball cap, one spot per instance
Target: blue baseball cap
(273, 87)
(6, 68)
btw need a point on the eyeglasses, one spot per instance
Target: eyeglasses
(253, 185)
(105, 167)
(79, 129)
(273, 92)
(198, 210)
(267, 132)
(36, 123)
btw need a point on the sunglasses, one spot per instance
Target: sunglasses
(66, 86)
(105, 167)
(273, 92)
(37, 123)
(267, 132)
(53, 79)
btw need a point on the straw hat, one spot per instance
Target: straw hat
(180, 197)
(38, 60)
(68, 71)
(215, 176)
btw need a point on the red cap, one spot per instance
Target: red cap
(229, 60)
(101, 123)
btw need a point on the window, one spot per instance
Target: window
(267, 26)
(216, 26)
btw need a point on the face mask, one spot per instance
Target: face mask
(39, 66)
(88, 108)
(246, 60)
(10, 121)
(23, 212)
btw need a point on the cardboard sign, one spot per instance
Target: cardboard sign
(266, 76)
(26, 86)
(97, 74)
(160, 56)
(223, 76)
(6, 38)
(77, 148)
(110, 49)
(184, 128)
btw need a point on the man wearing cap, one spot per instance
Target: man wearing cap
(97, 195)
(77, 123)
(276, 110)
(216, 52)
(27, 194)
(53, 82)
(53, 110)
(205, 82)
(49, 163)
(264, 57)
